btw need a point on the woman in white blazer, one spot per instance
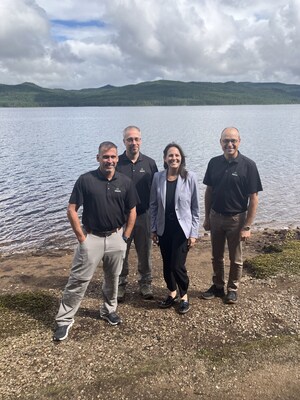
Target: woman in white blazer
(174, 210)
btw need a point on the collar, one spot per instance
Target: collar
(234, 160)
(103, 177)
(140, 158)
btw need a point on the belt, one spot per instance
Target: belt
(226, 214)
(105, 233)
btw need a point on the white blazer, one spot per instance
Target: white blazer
(186, 204)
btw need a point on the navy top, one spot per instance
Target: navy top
(105, 203)
(232, 182)
(141, 172)
(170, 201)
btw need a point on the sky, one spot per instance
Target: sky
(75, 44)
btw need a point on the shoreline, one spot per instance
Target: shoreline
(51, 250)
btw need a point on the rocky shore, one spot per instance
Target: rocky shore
(248, 351)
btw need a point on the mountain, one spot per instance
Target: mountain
(157, 93)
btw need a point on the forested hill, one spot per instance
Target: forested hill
(157, 93)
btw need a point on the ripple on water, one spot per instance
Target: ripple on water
(52, 147)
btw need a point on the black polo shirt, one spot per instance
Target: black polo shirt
(105, 202)
(141, 172)
(232, 182)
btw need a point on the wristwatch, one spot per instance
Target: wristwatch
(246, 228)
(125, 238)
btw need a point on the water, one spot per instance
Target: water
(44, 150)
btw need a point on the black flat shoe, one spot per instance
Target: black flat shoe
(184, 307)
(168, 302)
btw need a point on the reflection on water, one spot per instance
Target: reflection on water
(44, 151)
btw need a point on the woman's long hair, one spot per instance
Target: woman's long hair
(181, 170)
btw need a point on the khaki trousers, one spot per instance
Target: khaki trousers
(111, 251)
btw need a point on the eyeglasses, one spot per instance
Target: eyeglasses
(227, 141)
(131, 140)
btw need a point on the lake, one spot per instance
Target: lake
(44, 150)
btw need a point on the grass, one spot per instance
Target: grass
(30, 302)
(19, 311)
(279, 259)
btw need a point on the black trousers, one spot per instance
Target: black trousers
(174, 249)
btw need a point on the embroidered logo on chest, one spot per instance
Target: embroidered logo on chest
(117, 190)
(234, 173)
(142, 170)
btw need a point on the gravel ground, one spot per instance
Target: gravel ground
(216, 351)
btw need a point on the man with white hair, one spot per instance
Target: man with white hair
(231, 200)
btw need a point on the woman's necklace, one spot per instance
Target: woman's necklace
(172, 178)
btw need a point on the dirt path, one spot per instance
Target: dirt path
(247, 351)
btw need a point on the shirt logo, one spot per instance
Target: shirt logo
(142, 170)
(234, 174)
(117, 190)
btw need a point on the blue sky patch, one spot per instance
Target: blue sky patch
(69, 23)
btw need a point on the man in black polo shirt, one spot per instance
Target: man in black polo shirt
(140, 169)
(231, 200)
(108, 199)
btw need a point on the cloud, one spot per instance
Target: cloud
(75, 44)
(23, 28)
